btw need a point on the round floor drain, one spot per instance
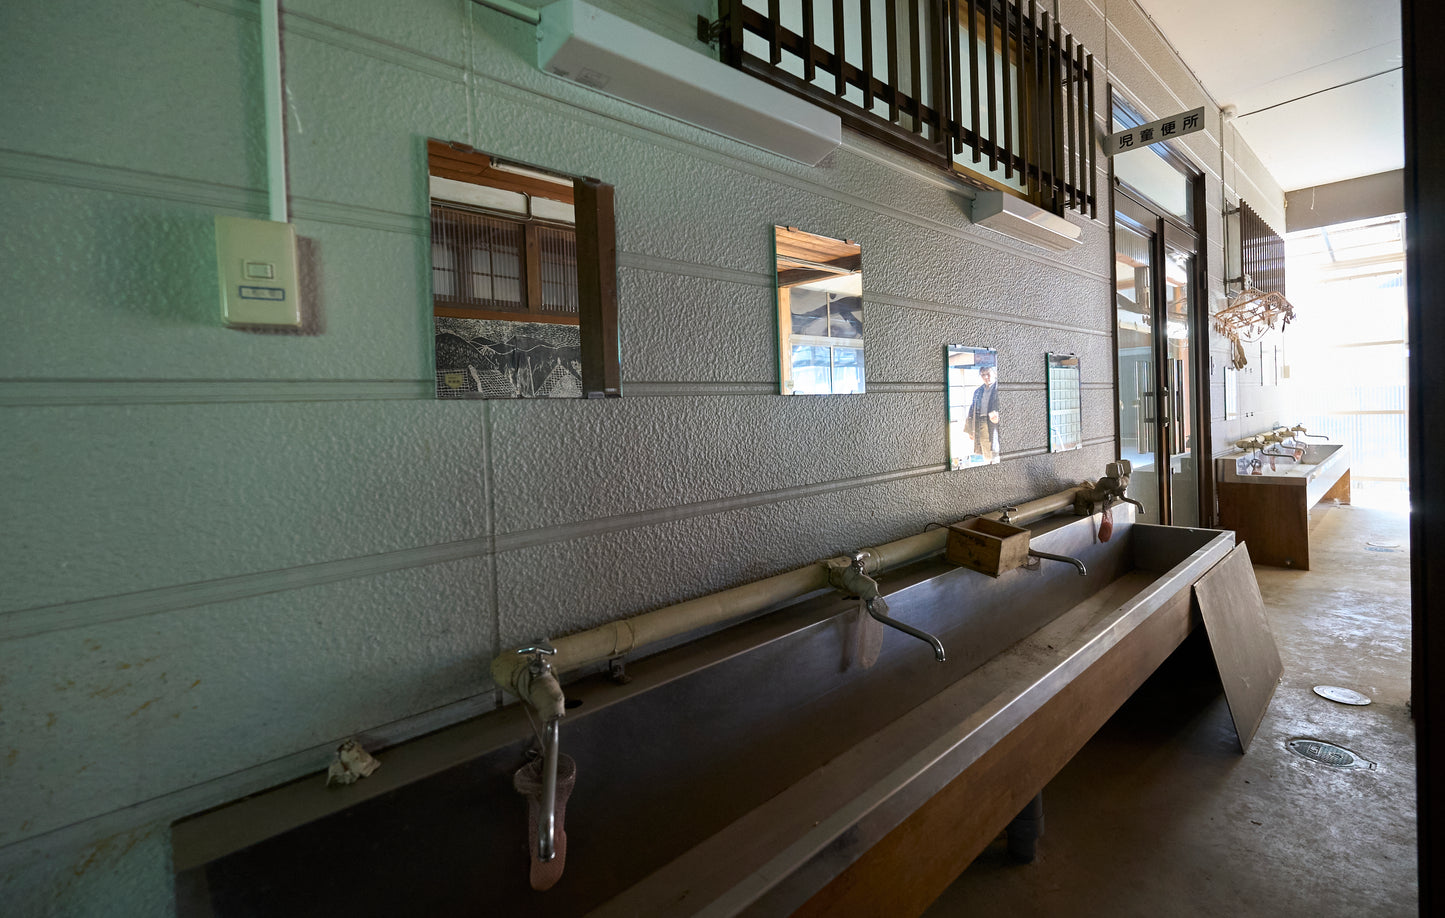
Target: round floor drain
(1342, 695)
(1378, 548)
(1328, 754)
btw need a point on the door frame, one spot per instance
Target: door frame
(1166, 228)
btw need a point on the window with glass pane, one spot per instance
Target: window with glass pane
(1184, 478)
(1134, 282)
(483, 265)
(847, 370)
(557, 258)
(1146, 170)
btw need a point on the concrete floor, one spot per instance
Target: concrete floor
(1160, 815)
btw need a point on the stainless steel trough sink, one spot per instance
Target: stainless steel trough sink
(737, 773)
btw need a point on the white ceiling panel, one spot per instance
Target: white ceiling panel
(1316, 82)
(1342, 134)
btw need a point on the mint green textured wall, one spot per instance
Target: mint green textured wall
(224, 552)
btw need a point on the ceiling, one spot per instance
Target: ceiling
(1316, 84)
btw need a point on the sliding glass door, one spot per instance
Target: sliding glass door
(1156, 331)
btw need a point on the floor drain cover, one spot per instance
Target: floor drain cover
(1342, 695)
(1377, 548)
(1328, 754)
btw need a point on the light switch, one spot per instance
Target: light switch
(256, 260)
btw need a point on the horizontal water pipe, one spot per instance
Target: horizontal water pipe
(1038, 509)
(605, 642)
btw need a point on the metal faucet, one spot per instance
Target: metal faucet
(541, 690)
(852, 578)
(1106, 490)
(1083, 571)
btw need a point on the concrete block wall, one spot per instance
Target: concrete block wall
(224, 552)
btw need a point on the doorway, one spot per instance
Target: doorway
(1159, 334)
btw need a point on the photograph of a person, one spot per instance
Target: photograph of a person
(973, 406)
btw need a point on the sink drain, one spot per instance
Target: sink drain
(1328, 754)
(1342, 695)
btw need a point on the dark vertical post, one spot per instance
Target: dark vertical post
(1046, 112)
(839, 83)
(1423, 32)
(992, 98)
(1082, 144)
(1008, 132)
(955, 54)
(810, 42)
(867, 69)
(597, 289)
(775, 21)
(731, 12)
(1056, 135)
(1071, 134)
(1093, 165)
(973, 76)
(916, 47)
(936, 31)
(892, 13)
(1029, 85)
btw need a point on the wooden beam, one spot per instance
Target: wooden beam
(463, 164)
(912, 865)
(597, 289)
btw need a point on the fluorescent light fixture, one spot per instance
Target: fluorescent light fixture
(585, 45)
(1018, 219)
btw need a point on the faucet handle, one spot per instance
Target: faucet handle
(860, 559)
(539, 650)
(1004, 515)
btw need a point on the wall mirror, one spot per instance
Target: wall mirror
(819, 283)
(1066, 407)
(973, 406)
(524, 279)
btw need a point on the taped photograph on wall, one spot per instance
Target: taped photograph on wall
(973, 406)
(524, 279)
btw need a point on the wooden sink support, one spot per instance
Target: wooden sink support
(1272, 514)
(915, 862)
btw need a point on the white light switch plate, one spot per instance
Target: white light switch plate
(257, 266)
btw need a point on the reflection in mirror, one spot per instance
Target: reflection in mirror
(973, 414)
(524, 279)
(1066, 411)
(820, 313)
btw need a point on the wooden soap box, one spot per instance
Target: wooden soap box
(987, 546)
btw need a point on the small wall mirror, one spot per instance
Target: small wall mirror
(1066, 409)
(524, 279)
(973, 407)
(820, 313)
